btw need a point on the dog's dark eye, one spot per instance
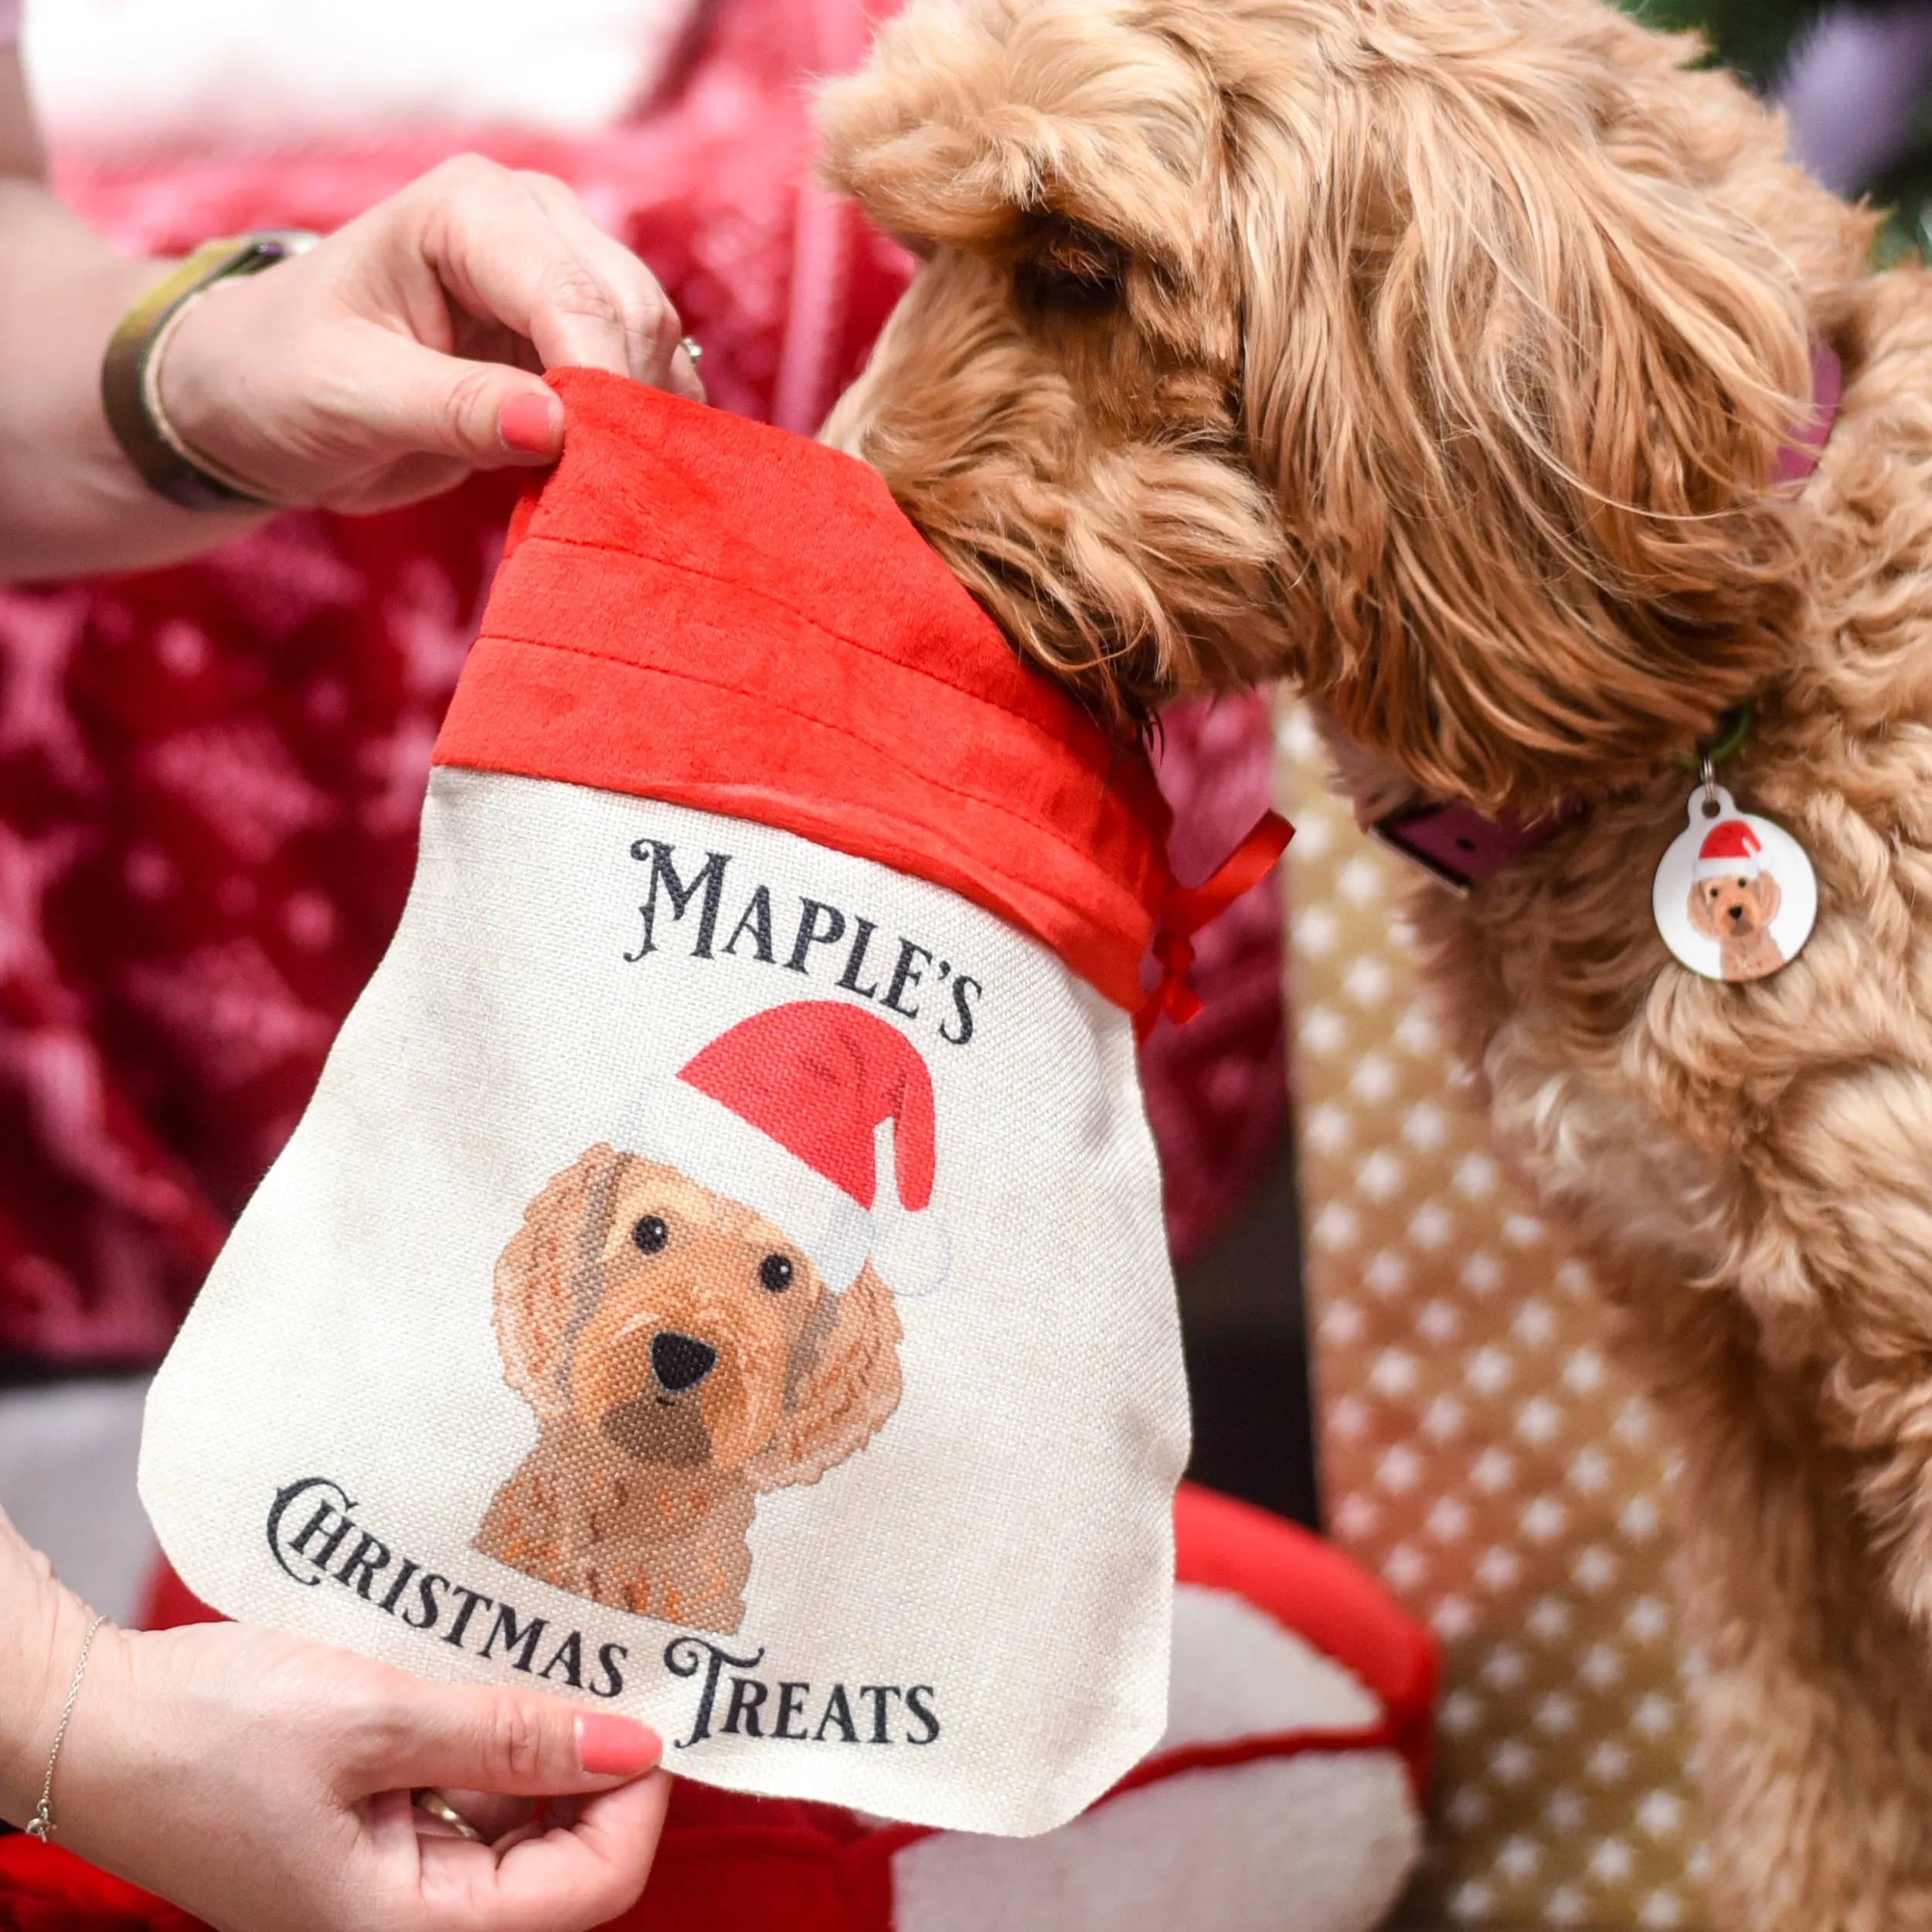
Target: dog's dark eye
(775, 1272)
(1071, 270)
(1046, 288)
(651, 1234)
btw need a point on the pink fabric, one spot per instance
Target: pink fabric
(1217, 1089)
(9, 21)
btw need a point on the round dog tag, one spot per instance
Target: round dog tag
(1735, 897)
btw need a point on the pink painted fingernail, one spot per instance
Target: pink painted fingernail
(611, 1747)
(532, 423)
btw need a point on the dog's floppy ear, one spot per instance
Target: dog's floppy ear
(1065, 131)
(1769, 898)
(843, 1385)
(549, 1265)
(1527, 328)
(1700, 916)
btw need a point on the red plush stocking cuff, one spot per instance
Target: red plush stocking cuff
(702, 609)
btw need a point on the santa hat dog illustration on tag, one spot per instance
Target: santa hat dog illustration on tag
(1735, 897)
(704, 1310)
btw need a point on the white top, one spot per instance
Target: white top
(136, 77)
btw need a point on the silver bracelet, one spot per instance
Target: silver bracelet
(41, 1824)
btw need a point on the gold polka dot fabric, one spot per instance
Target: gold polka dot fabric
(1479, 1451)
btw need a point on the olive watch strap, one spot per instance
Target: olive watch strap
(131, 372)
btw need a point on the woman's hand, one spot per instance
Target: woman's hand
(399, 353)
(262, 1784)
(384, 365)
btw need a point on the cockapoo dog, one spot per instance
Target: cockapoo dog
(626, 1276)
(1438, 355)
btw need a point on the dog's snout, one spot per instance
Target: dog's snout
(681, 1360)
(1735, 912)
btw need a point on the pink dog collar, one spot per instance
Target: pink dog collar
(1456, 846)
(1453, 843)
(1799, 456)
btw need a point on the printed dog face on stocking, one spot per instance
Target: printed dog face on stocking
(1737, 911)
(680, 1354)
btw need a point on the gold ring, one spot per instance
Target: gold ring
(694, 350)
(439, 1807)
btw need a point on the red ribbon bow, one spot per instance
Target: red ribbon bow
(1189, 908)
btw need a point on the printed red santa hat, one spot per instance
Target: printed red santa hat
(1730, 850)
(818, 1116)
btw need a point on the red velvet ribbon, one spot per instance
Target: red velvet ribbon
(1189, 908)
